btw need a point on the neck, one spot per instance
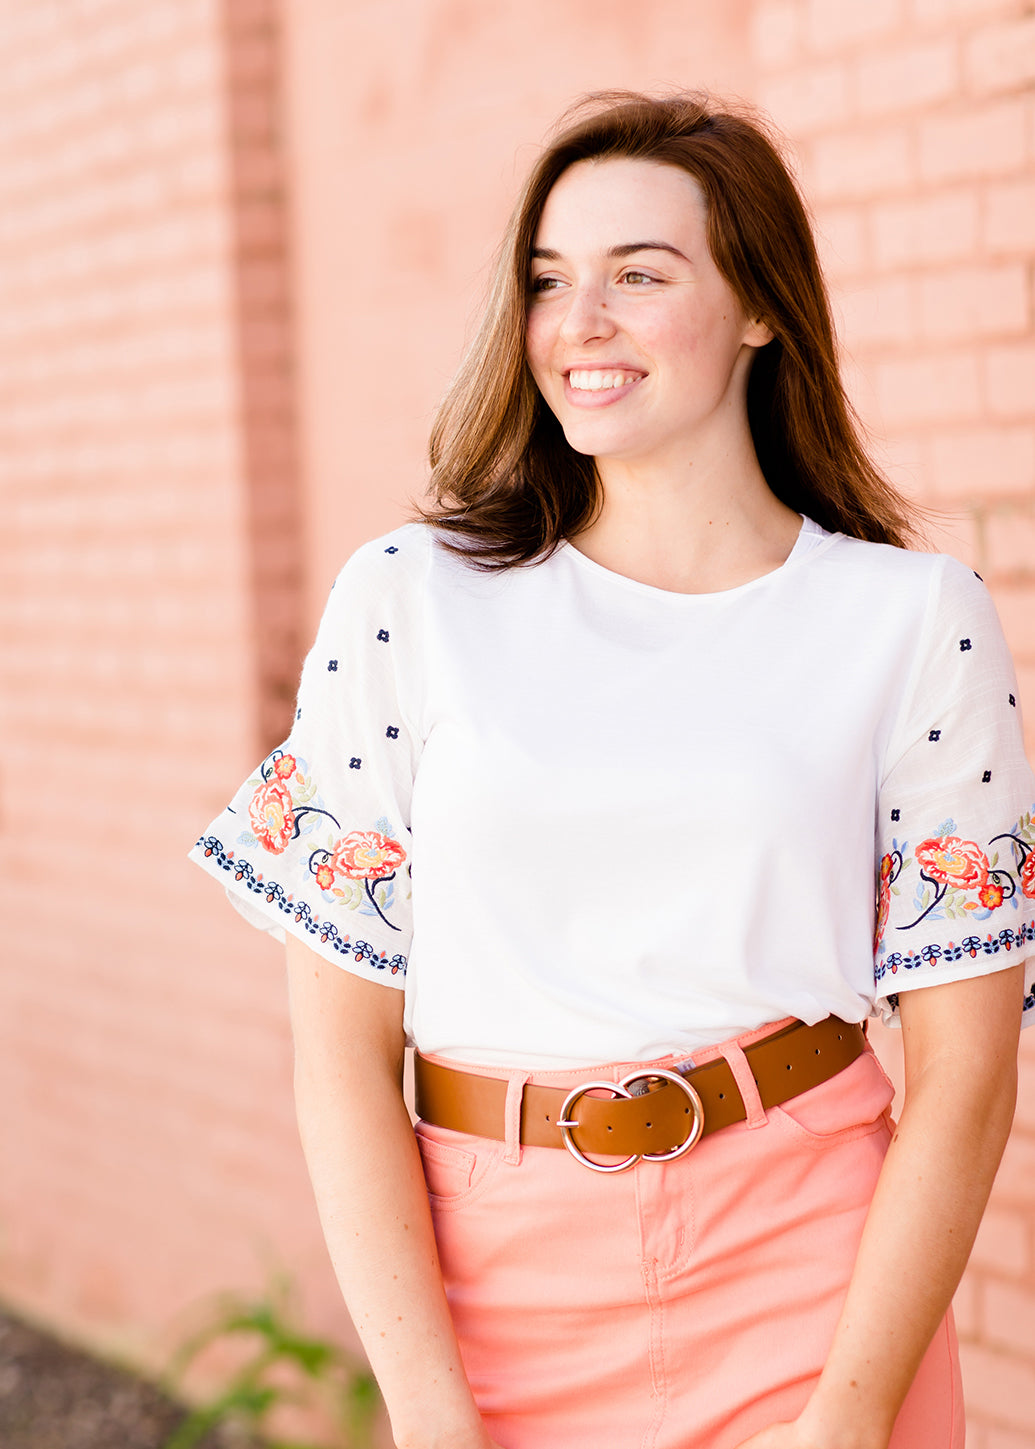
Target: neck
(699, 526)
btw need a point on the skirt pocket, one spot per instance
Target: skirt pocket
(852, 1104)
(457, 1168)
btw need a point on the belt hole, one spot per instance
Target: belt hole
(817, 1051)
(611, 1129)
(649, 1124)
(789, 1066)
(722, 1098)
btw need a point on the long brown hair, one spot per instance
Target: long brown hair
(507, 488)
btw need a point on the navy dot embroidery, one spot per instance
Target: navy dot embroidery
(934, 735)
(392, 732)
(964, 645)
(393, 549)
(298, 714)
(896, 814)
(986, 777)
(332, 666)
(1013, 701)
(382, 635)
(355, 762)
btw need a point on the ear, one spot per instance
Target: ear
(757, 333)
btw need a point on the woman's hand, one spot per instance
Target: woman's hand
(798, 1435)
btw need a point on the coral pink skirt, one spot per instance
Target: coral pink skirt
(678, 1305)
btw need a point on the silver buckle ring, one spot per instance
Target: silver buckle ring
(621, 1089)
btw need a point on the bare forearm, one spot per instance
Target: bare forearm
(369, 1187)
(370, 1191)
(919, 1232)
(961, 1082)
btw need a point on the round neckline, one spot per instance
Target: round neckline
(810, 537)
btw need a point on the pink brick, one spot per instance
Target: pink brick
(833, 25)
(990, 461)
(1024, 1120)
(812, 98)
(937, 228)
(989, 140)
(1010, 380)
(861, 163)
(1008, 1315)
(906, 77)
(1007, 1439)
(975, 301)
(841, 240)
(1001, 57)
(942, 387)
(956, 534)
(1009, 217)
(1010, 548)
(1003, 1243)
(1015, 602)
(882, 312)
(1016, 1178)
(776, 32)
(966, 1307)
(943, 13)
(998, 1387)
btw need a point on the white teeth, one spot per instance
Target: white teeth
(599, 381)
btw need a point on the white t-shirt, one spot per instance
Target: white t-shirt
(581, 819)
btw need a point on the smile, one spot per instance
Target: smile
(583, 380)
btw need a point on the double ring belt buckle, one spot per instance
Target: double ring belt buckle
(621, 1089)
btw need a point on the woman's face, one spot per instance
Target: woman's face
(635, 339)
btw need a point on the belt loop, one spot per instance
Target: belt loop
(512, 1118)
(746, 1083)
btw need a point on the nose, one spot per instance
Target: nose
(586, 317)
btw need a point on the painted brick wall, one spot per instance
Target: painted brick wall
(158, 387)
(148, 1150)
(915, 124)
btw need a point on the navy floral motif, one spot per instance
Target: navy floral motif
(964, 645)
(382, 635)
(972, 946)
(392, 732)
(934, 736)
(275, 895)
(332, 666)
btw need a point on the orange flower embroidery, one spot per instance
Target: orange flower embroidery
(366, 855)
(952, 861)
(272, 816)
(991, 894)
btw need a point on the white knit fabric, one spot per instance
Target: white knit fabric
(637, 821)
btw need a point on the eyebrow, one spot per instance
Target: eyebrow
(624, 249)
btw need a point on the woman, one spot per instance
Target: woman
(657, 702)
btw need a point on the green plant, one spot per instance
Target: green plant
(282, 1367)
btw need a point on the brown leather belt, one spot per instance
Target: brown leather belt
(648, 1116)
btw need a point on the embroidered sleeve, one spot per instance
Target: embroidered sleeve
(955, 847)
(317, 841)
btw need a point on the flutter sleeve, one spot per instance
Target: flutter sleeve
(317, 842)
(955, 840)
